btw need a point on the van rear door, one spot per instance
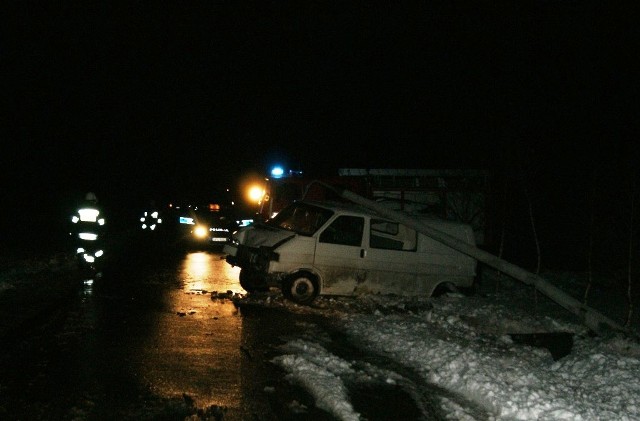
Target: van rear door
(392, 262)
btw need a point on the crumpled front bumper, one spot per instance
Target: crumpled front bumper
(255, 259)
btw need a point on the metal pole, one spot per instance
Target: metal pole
(590, 317)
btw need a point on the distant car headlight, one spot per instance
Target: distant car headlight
(200, 231)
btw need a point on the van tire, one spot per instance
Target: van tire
(252, 281)
(301, 288)
(444, 288)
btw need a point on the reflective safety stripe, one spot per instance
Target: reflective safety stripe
(150, 220)
(88, 236)
(89, 215)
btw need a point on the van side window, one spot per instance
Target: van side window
(392, 236)
(345, 230)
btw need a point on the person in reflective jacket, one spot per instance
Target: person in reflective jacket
(151, 218)
(88, 231)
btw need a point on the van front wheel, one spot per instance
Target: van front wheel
(301, 288)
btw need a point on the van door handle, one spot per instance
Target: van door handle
(363, 253)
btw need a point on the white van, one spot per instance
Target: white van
(326, 248)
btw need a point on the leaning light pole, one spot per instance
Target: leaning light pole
(594, 320)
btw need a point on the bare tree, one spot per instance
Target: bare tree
(503, 229)
(590, 243)
(525, 175)
(535, 237)
(630, 173)
(533, 228)
(630, 256)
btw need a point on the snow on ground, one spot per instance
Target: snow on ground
(463, 344)
(453, 347)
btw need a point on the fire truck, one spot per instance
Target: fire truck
(454, 195)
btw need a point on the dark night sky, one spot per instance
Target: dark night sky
(133, 100)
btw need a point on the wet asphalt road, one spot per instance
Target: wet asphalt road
(156, 338)
(149, 339)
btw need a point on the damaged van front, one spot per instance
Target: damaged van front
(326, 248)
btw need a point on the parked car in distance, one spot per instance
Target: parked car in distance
(206, 225)
(330, 248)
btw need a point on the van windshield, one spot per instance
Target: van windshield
(301, 218)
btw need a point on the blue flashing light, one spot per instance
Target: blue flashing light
(277, 172)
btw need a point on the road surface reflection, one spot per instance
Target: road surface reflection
(202, 271)
(195, 346)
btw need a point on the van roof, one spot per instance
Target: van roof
(340, 206)
(355, 208)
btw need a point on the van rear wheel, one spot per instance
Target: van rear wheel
(301, 288)
(252, 281)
